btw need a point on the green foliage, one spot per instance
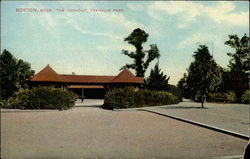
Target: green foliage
(14, 74)
(42, 98)
(1, 102)
(129, 98)
(241, 57)
(175, 91)
(137, 38)
(228, 97)
(24, 73)
(183, 87)
(157, 80)
(245, 97)
(216, 97)
(119, 98)
(231, 96)
(151, 98)
(204, 74)
(239, 64)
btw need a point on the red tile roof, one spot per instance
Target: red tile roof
(85, 86)
(88, 78)
(127, 77)
(47, 74)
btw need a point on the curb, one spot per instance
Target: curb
(226, 157)
(129, 109)
(232, 133)
(26, 110)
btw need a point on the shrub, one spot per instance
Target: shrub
(129, 98)
(118, 98)
(245, 97)
(42, 98)
(216, 97)
(230, 96)
(1, 102)
(11, 103)
(222, 97)
(175, 91)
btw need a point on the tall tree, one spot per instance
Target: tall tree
(241, 57)
(204, 74)
(157, 80)
(239, 64)
(140, 65)
(14, 74)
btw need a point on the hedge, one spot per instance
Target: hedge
(245, 97)
(42, 98)
(228, 97)
(130, 98)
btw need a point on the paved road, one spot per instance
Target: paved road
(233, 117)
(89, 103)
(91, 132)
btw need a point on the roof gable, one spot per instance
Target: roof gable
(47, 74)
(127, 77)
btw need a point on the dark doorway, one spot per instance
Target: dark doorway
(94, 93)
(89, 93)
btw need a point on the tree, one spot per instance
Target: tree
(137, 38)
(157, 80)
(14, 74)
(241, 57)
(204, 74)
(183, 87)
(239, 64)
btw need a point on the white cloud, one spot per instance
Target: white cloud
(188, 11)
(135, 7)
(192, 40)
(222, 13)
(83, 22)
(122, 21)
(214, 42)
(118, 21)
(115, 48)
(45, 19)
(182, 25)
(171, 7)
(155, 13)
(201, 38)
(84, 31)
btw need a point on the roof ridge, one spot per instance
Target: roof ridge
(48, 74)
(124, 76)
(86, 75)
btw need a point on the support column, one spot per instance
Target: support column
(82, 97)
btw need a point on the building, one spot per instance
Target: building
(88, 86)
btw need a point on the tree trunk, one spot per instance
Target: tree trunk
(202, 101)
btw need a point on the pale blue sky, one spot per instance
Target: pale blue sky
(91, 43)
